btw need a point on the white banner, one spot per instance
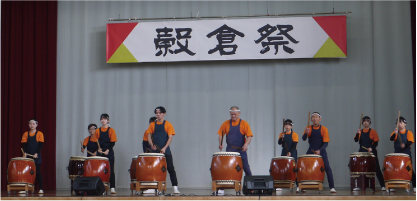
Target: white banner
(238, 39)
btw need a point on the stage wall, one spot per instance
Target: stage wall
(376, 78)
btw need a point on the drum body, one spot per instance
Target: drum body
(397, 167)
(310, 168)
(151, 167)
(226, 166)
(362, 163)
(21, 171)
(76, 166)
(96, 166)
(283, 168)
(132, 169)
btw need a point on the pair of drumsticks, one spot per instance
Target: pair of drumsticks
(221, 143)
(87, 150)
(26, 154)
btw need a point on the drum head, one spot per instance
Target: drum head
(224, 153)
(135, 157)
(362, 154)
(77, 158)
(310, 156)
(283, 157)
(397, 154)
(96, 158)
(22, 159)
(151, 155)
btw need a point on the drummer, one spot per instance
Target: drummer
(318, 138)
(368, 138)
(106, 136)
(288, 140)
(32, 143)
(407, 139)
(145, 144)
(92, 147)
(162, 132)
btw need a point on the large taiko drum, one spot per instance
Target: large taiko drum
(76, 166)
(132, 169)
(310, 167)
(96, 166)
(21, 171)
(283, 168)
(226, 166)
(397, 167)
(151, 167)
(362, 163)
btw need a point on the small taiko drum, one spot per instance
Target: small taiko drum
(97, 166)
(226, 166)
(21, 171)
(151, 167)
(132, 169)
(397, 167)
(362, 163)
(76, 166)
(283, 168)
(310, 167)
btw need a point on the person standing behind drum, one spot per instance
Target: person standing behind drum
(288, 140)
(145, 144)
(107, 138)
(92, 147)
(368, 138)
(404, 146)
(238, 137)
(160, 134)
(32, 143)
(318, 139)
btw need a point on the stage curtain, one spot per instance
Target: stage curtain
(28, 80)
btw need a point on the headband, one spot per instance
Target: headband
(234, 110)
(315, 113)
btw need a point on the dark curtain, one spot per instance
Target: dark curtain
(413, 35)
(28, 80)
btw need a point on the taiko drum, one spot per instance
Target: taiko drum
(362, 163)
(310, 167)
(132, 169)
(151, 167)
(283, 168)
(76, 166)
(96, 166)
(397, 167)
(21, 171)
(226, 166)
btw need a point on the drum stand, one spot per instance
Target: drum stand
(310, 185)
(399, 184)
(216, 185)
(161, 186)
(362, 181)
(133, 185)
(20, 187)
(284, 184)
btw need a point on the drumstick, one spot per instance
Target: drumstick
(308, 119)
(221, 143)
(398, 122)
(89, 152)
(236, 148)
(147, 149)
(26, 154)
(99, 147)
(283, 126)
(364, 147)
(153, 142)
(360, 124)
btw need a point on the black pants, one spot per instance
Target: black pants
(378, 169)
(39, 176)
(413, 178)
(145, 145)
(171, 169)
(112, 176)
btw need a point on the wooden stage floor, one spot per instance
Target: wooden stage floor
(205, 194)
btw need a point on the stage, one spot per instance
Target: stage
(205, 194)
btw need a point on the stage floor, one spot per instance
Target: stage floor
(205, 194)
